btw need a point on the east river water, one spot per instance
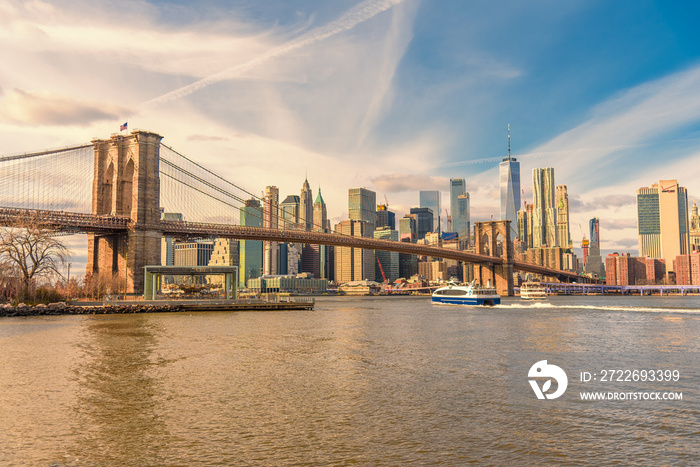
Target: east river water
(358, 381)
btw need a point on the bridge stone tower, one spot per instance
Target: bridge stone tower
(126, 183)
(493, 239)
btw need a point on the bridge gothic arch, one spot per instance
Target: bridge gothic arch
(107, 185)
(126, 189)
(494, 240)
(127, 183)
(499, 245)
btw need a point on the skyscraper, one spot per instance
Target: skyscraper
(167, 255)
(250, 251)
(424, 221)
(525, 227)
(459, 207)
(694, 228)
(509, 171)
(389, 260)
(563, 230)
(544, 211)
(385, 218)
(662, 219)
(407, 229)
(271, 221)
(314, 257)
(306, 207)
(457, 187)
(594, 262)
(463, 218)
(354, 264)
(362, 205)
(289, 212)
(431, 199)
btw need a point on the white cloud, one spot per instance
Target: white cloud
(397, 183)
(630, 120)
(351, 18)
(47, 108)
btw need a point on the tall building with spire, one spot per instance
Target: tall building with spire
(544, 208)
(315, 257)
(509, 171)
(306, 207)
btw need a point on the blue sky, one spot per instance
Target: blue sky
(388, 94)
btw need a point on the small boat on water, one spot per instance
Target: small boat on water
(533, 290)
(471, 294)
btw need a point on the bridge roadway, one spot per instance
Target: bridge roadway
(90, 223)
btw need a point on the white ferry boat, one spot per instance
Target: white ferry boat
(467, 294)
(533, 290)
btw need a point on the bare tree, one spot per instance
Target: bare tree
(32, 251)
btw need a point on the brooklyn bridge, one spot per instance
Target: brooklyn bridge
(115, 189)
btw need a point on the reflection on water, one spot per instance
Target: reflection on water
(117, 404)
(378, 381)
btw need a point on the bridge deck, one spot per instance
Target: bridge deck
(90, 223)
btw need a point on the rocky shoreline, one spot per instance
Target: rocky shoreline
(107, 308)
(61, 308)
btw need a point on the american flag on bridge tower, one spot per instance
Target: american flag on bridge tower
(122, 127)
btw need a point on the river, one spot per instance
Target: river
(357, 381)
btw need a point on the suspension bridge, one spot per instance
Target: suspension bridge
(114, 190)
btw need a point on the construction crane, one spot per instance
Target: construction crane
(381, 269)
(449, 220)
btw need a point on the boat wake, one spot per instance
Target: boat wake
(551, 306)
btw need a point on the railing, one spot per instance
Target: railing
(78, 222)
(60, 220)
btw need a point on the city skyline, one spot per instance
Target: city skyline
(426, 91)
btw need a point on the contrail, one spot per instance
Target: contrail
(351, 18)
(537, 154)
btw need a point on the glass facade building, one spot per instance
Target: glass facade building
(459, 207)
(424, 221)
(250, 251)
(509, 175)
(362, 205)
(289, 212)
(388, 259)
(662, 220)
(431, 199)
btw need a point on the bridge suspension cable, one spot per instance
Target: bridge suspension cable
(59, 180)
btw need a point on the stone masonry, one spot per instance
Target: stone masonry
(126, 183)
(488, 242)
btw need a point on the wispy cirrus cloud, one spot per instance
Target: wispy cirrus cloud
(351, 18)
(635, 117)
